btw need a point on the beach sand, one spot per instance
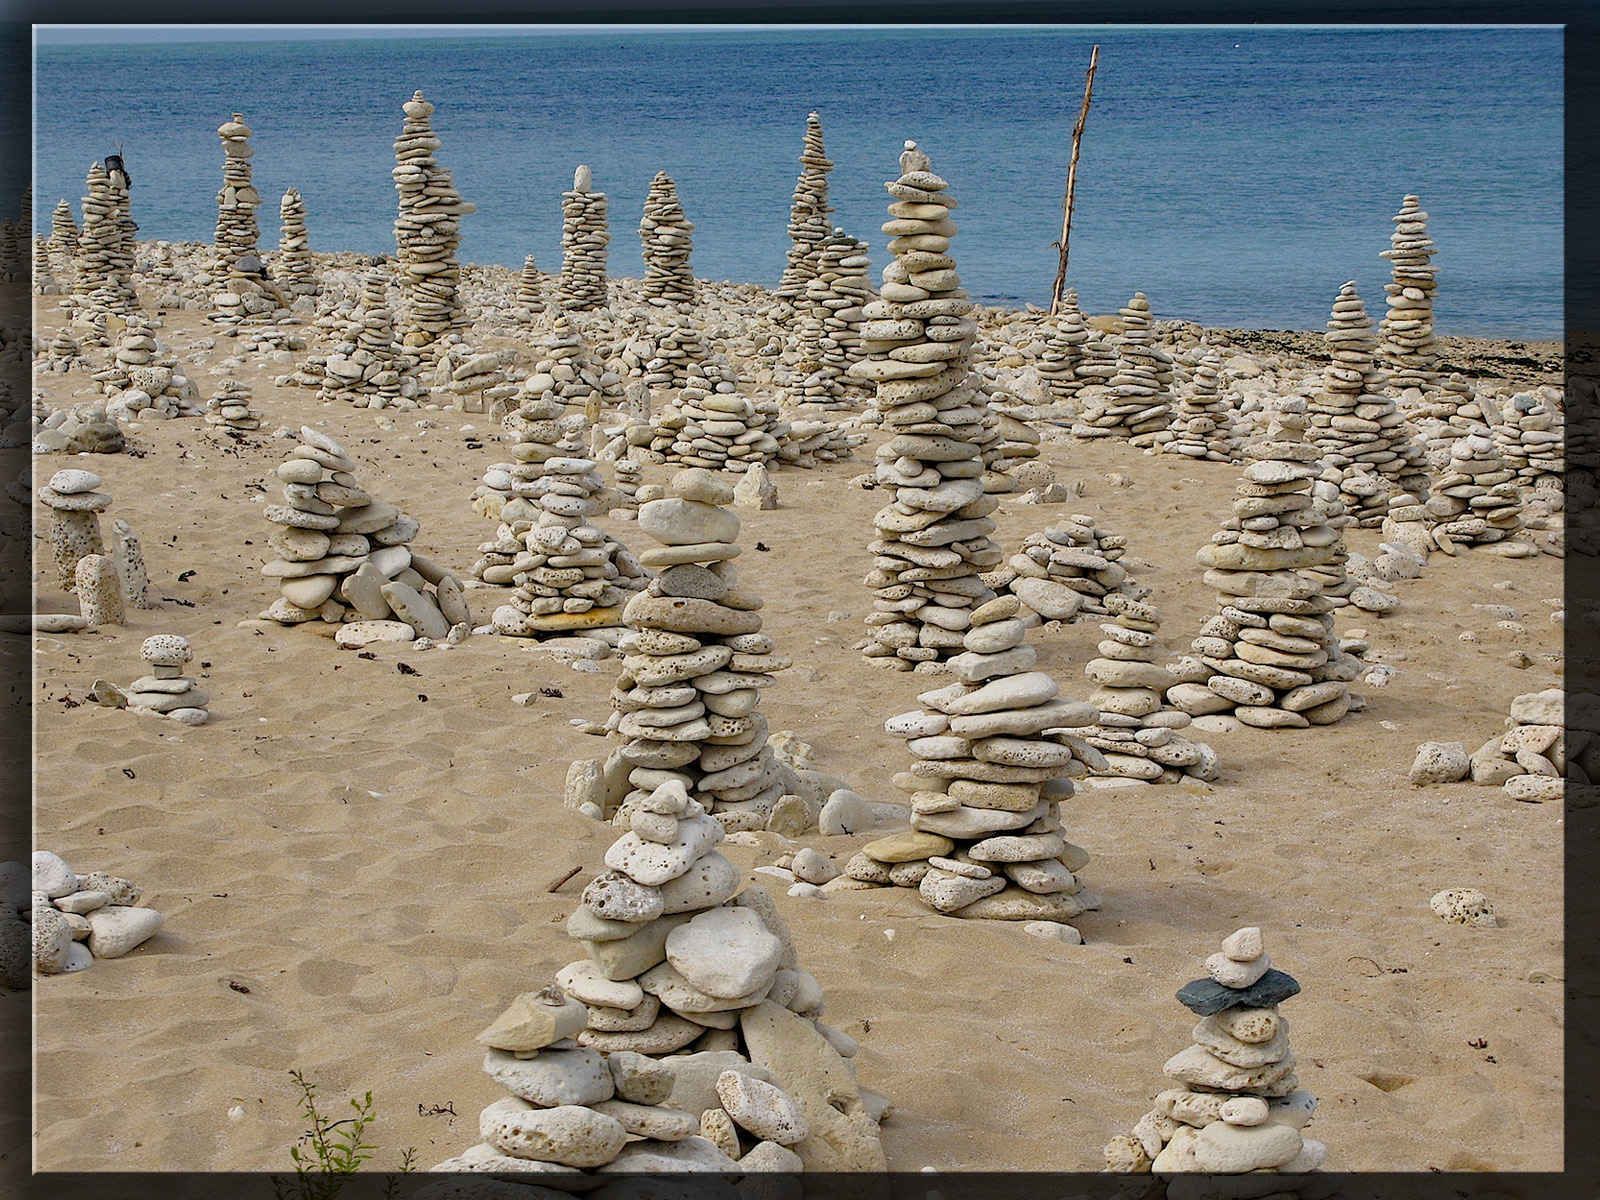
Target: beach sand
(354, 861)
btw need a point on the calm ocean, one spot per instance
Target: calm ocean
(1237, 176)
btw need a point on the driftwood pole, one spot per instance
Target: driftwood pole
(1072, 179)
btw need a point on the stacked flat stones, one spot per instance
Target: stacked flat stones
(295, 269)
(477, 379)
(427, 231)
(710, 425)
(1136, 733)
(542, 428)
(569, 371)
(166, 689)
(1137, 402)
(1058, 362)
(1203, 426)
(64, 232)
(1236, 1106)
(688, 1037)
(367, 368)
(1475, 501)
(568, 573)
(139, 383)
(829, 325)
(665, 234)
(74, 530)
(582, 287)
(1366, 444)
(933, 537)
(238, 231)
(229, 407)
(995, 754)
(695, 662)
(1069, 568)
(1270, 655)
(1531, 437)
(104, 259)
(1407, 346)
(76, 918)
(664, 354)
(530, 290)
(808, 218)
(343, 556)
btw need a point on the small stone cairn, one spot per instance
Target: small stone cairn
(103, 276)
(427, 232)
(530, 301)
(1237, 1107)
(1545, 745)
(139, 384)
(1476, 501)
(933, 536)
(1407, 346)
(1068, 569)
(665, 234)
(475, 378)
(343, 556)
(582, 287)
(74, 529)
(1058, 363)
(1136, 733)
(44, 281)
(1203, 427)
(238, 231)
(569, 371)
(709, 425)
(75, 919)
(694, 664)
(64, 233)
(295, 268)
(367, 368)
(808, 218)
(995, 754)
(542, 428)
(166, 690)
(1136, 404)
(229, 407)
(82, 429)
(1450, 411)
(1270, 655)
(1531, 437)
(688, 1038)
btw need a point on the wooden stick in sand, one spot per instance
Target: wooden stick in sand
(1072, 179)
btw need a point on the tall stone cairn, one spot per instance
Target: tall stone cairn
(1270, 655)
(808, 219)
(1203, 426)
(104, 260)
(238, 231)
(829, 328)
(530, 289)
(1407, 329)
(427, 230)
(1367, 446)
(1137, 404)
(1235, 1106)
(583, 245)
(295, 270)
(933, 538)
(664, 232)
(63, 231)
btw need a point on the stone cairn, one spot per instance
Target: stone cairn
(75, 919)
(366, 367)
(82, 429)
(1203, 426)
(694, 664)
(1136, 733)
(1236, 1107)
(74, 530)
(1058, 362)
(568, 371)
(530, 299)
(1476, 501)
(933, 537)
(64, 233)
(1137, 403)
(808, 218)
(688, 1037)
(709, 424)
(1407, 329)
(1069, 568)
(829, 326)
(343, 555)
(568, 573)
(1543, 744)
(166, 690)
(995, 754)
(427, 232)
(44, 280)
(582, 287)
(542, 428)
(1270, 655)
(1366, 444)
(477, 379)
(137, 383)
(1531, 437)
(229, 407)
(1451, 410)
(103, 277)
(295, 269)
(664, 232)
(238, 231)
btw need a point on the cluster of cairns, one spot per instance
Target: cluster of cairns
(1407, 328)
(828, 326)
(584, 237)
(427, 231)
(72, 919)
(688, 1038)
(1203, 424)
(1069, 568)
(1542, 747)
(366, 367)
(229, 407)
(808, 217)
(1135, 403)
(710, 425)
(1270, 655)
(477, 379)
(568, 574)
(166, 690)
(996, 752)
(295, 269)
(664, 232)
(1367, 447)
(139, 384)
(1058, 360)
(933, 536)
(1136, 733)
(343, 556)
(1236, 1107)
(695, 662)
(104, 261)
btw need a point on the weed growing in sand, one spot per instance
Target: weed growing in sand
(328, 1153)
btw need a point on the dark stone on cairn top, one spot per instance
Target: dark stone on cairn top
(1206, 996)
